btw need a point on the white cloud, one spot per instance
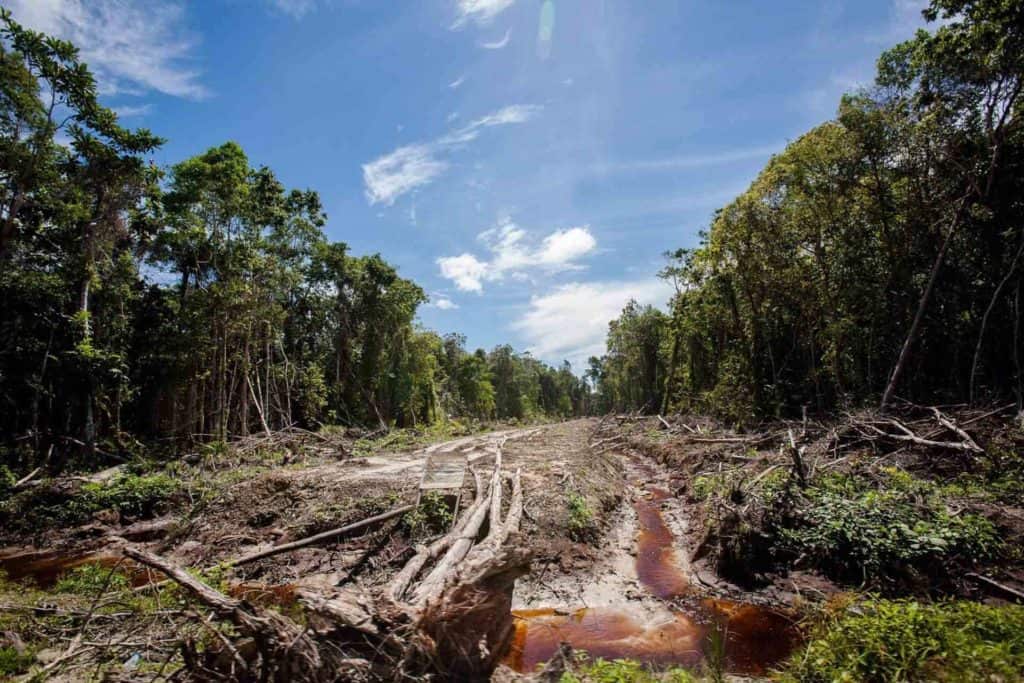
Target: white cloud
(442, 302)
(564, 246)
(498, 44)
(571, 322)
(465, 271)
(696, 160)
(512, 255)
(457, 82)
(401, 171)
(480, 11)
(131, 46)
(411, 166)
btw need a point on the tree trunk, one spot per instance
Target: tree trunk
(984, 319)
(922, 306)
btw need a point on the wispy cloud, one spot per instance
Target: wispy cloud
(454, 85)
(128, 112)
(403, 170)
(480, 11)
(412, 166)
(571, 322)
(512, 254)
(294, 8)
(498, 44)
(131, 45)
(695, 160)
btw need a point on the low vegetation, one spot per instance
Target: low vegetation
(876, 641)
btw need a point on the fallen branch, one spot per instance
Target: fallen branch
(992, 583)
(331, 533)
(26, 479)
(951, 426)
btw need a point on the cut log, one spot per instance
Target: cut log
(434, 581)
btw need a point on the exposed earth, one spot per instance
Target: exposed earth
(611, 540)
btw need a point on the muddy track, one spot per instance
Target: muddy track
(640, 599)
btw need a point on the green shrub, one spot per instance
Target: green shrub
(907, 641)
(13, 663)
(432, 516)
(861, 533)
(581, 518)
(131, 495)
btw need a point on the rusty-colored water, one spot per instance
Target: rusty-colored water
(44, 568)
(656, 562)
(755, 638)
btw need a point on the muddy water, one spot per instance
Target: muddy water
(656, 561)
(753, 638)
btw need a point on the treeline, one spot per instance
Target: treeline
(878, 257)
(202, 301)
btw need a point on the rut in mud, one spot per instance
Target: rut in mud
(638, 600)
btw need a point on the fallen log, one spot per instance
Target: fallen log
(323, 536)
(460, 547)
(1000, 587)
(400, 583)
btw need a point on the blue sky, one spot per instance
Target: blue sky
(526, 161)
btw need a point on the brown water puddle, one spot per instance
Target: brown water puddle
(755, 638)
(656, 562)
(43, 568)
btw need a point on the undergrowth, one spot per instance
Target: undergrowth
(131, 495)
(861, 532)
(432, 516)
(624, 671)
(581, 525)
(880, 641)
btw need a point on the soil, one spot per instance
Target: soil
(623, 586)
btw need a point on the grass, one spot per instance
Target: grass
(624, 671)
(877, 641)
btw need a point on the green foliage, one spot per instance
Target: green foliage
(91, 579)
(432, 516)
(12, 663)
(805, 288)
(879, 641)
(581, 525)
(130, 495)
(860, 532)
(624, 671)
